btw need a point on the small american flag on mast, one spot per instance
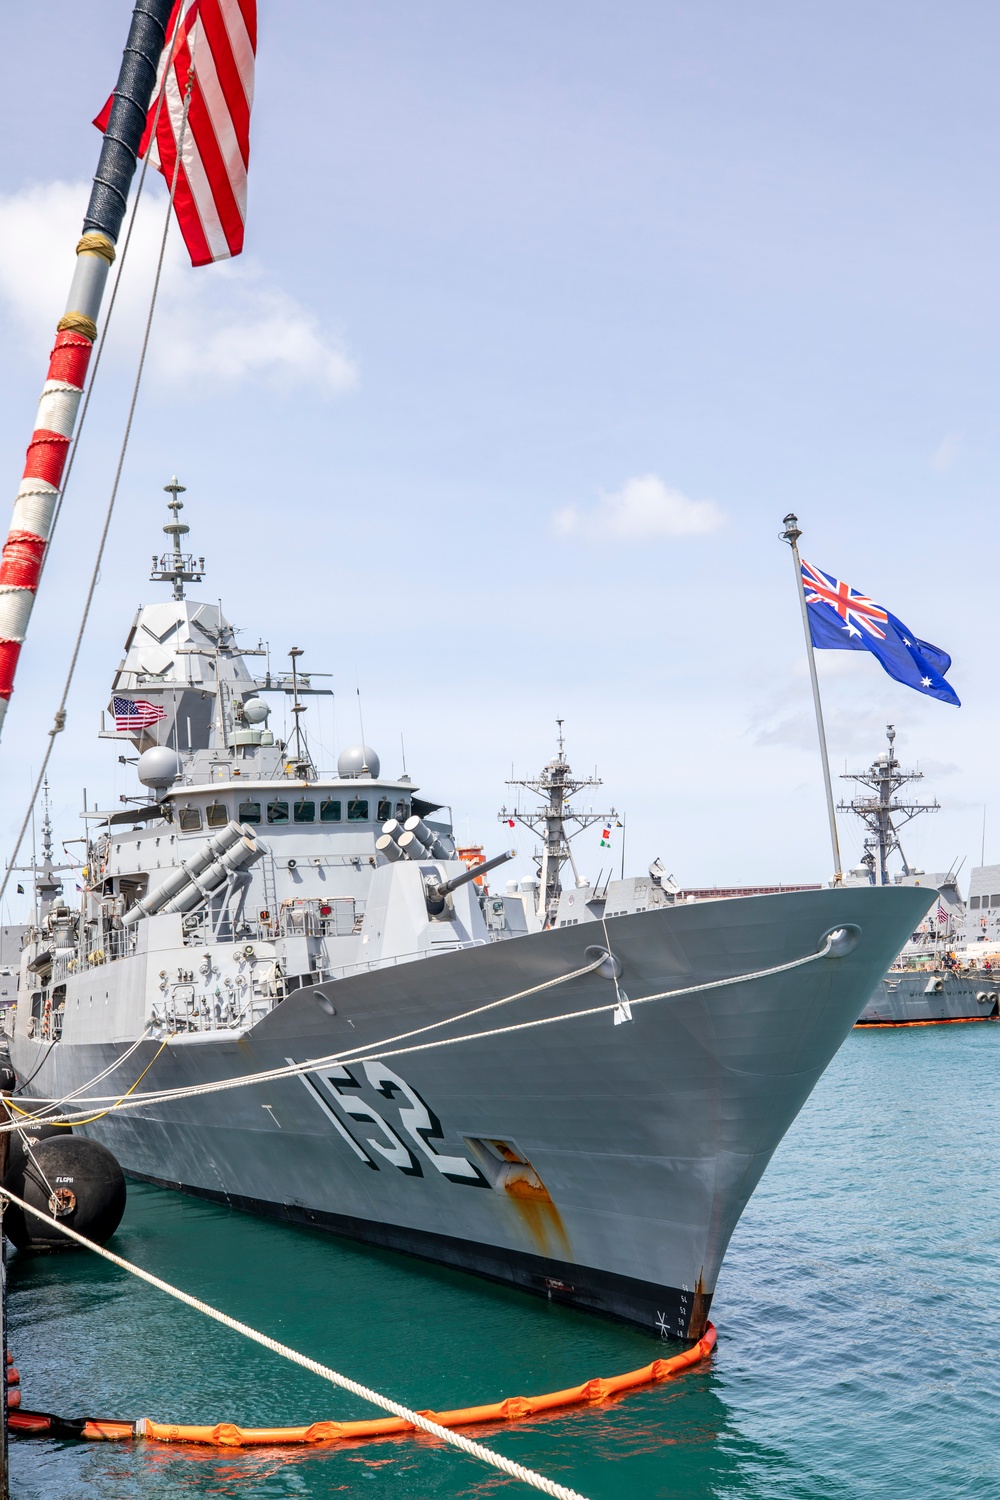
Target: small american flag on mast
(212, 44)
(135, 713)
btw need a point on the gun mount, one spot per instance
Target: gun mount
(437, 892)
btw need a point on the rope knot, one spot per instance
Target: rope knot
(60, 722)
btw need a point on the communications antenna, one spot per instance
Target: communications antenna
(882, 812)
(549, 823)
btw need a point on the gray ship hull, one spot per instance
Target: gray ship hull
(642, 1141)
(922, 997)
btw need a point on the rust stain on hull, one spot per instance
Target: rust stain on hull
(541, 1218)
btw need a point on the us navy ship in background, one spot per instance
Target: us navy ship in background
(949, 969)
(252, 912)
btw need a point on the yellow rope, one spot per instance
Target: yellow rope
(96, 243)
(92, 1118)
(78, 322)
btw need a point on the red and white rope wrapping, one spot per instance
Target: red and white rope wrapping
(24, 549)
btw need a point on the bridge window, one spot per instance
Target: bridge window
(216, 815)
(277, 812)
(189, 819)
(304, 812)
(384, 809)
(402, 811)
(357, 810)
(973, 903)
(329, 811)
(249, 812)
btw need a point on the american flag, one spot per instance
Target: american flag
(942, 915)
(213, 43)
(135, 713)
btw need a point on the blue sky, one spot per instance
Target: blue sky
(548, 314)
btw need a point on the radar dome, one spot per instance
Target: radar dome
(158, 767)
(256, 711)
(358, 760)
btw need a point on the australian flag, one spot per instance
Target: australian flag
(842, 619)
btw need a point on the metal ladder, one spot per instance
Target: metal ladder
(270, 888)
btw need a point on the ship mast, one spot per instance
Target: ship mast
(177, 567)
(882, 813)
(555, 787)
(44, 873)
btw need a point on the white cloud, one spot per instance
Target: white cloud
(220, 324)
(947, 451)
(643, 509)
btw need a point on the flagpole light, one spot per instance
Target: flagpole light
(791, 535)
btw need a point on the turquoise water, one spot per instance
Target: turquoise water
(858, 1317)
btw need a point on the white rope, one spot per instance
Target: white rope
(445, 1434)
(42, 1116)
(320, 1062)
(295, 1070)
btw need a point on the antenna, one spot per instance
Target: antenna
(361, 721)
(556, 785)
(882, 813)
(402, 748)
(177, 567)
(297, 707)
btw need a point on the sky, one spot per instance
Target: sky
(547, 316)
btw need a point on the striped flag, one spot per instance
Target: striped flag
(212, 44)
(135, 713)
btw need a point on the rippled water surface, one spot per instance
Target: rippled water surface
(858, 1316)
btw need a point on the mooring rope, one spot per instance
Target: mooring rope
(356, 1055)
(41, 1116)
(54, 1104)
(325, 1372)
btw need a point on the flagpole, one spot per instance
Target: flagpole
(76, 334)
(791, 535)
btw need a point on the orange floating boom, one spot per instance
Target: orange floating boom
(228, 1435)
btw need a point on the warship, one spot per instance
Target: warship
(282, 986)
(949, 968)
(485, 1080)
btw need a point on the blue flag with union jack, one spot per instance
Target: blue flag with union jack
(842, 619)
